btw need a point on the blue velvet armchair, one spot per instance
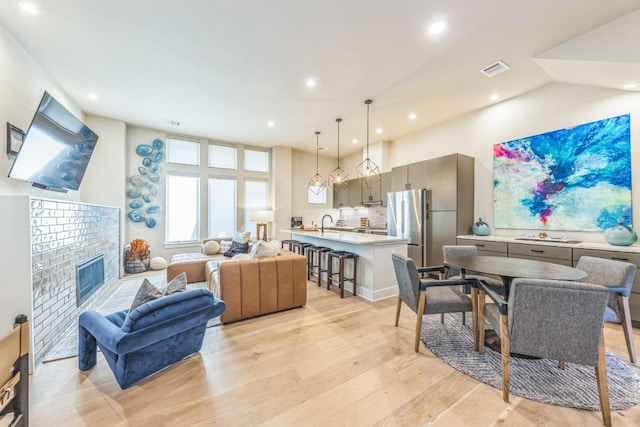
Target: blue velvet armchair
(153, 336)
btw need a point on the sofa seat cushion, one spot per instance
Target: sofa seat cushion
(192, 264)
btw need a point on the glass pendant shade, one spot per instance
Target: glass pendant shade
(338, 177)
(317, 184)
(368, 171)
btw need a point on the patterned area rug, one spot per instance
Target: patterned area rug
(120, 299)
(535, 379)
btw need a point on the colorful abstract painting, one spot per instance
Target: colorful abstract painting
(574, 179)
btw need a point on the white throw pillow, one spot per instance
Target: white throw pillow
(263, 249)
(240, 257)
(242, 236)
(211, 247)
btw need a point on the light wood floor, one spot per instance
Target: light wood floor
(334, 362)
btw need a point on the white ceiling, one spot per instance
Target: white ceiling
(225, 68)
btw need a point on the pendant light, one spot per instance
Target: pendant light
(317, 183)
(338, 177)
(368, 171)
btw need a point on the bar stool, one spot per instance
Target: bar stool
(341, 256)
(314, 261)
(298, 247)
(288, 242)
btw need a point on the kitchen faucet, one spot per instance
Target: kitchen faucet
(322, 226)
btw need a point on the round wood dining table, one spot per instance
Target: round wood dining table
(511, 268)
(508, 269)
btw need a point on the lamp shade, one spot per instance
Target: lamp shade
(261, 216)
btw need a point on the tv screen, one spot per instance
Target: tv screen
(56, 148)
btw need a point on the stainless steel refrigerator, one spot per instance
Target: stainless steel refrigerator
(407, 217)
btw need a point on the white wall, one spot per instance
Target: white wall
(303, 168)
(22, 83)
(552, 107)
(282, 191)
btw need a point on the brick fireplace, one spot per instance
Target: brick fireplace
(65, 235)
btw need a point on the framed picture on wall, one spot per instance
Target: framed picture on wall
(15, 136)
(572, 179)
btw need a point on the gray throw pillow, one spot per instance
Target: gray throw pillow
(237, 248)
(149, 292)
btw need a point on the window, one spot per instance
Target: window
(318, 199)
(212, 188)
(256, 161)
(182, 151)
(222, 156)
(183, 207)
(256, 197)
(222, 207)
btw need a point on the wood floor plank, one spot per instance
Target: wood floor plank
(335, 361)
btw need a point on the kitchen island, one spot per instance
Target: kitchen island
(376, 279)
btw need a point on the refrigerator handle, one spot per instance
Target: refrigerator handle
(402, 216)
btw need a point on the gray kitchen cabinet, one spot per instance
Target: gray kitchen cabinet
(341, 197)
(378, 192)
(355, 193)
(487, 248)
(441, 227)
(554, 254)
(453, 177)
(409, 177)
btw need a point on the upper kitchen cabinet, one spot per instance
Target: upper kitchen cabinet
(409, 177)
(451, 181)
(355, 193)
(377, 195)
(341, 197)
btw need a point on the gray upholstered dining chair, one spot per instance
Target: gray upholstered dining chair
(427, 296)
(551, 319)
(618, 277)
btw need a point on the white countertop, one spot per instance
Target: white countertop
(549, 242)
(350, 237)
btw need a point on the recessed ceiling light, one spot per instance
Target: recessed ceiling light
(354, 141)
(437, 27)
(30, 8)
(311, 83)
(630, 86)
(270, 123)
(379, 130)
(494, 97)
(412, 116)
(93, 96)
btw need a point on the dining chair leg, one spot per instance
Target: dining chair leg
(625, 315)
(561, 364)
(464, 318)
(474, 317)
(442, 318)
(603, 384)
(479, 331)
(398, 309)
(505, 348)
(421, 303)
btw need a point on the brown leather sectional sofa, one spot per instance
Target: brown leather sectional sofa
(249, 287)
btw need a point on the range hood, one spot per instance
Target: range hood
(371, 202)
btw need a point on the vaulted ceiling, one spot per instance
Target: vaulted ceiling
(224, 69)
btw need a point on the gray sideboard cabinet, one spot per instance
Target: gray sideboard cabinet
(561, 253)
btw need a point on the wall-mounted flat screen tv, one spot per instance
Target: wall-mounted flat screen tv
(56, 148)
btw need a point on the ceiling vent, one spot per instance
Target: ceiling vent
(494, 69)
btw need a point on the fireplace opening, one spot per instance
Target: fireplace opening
(89, 277)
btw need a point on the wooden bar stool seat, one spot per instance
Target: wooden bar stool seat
(341, 257)
(314, 261)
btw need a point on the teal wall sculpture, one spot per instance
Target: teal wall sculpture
(143, 188)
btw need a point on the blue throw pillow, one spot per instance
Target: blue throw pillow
(237, 248)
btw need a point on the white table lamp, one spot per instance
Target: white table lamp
(261, 218)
